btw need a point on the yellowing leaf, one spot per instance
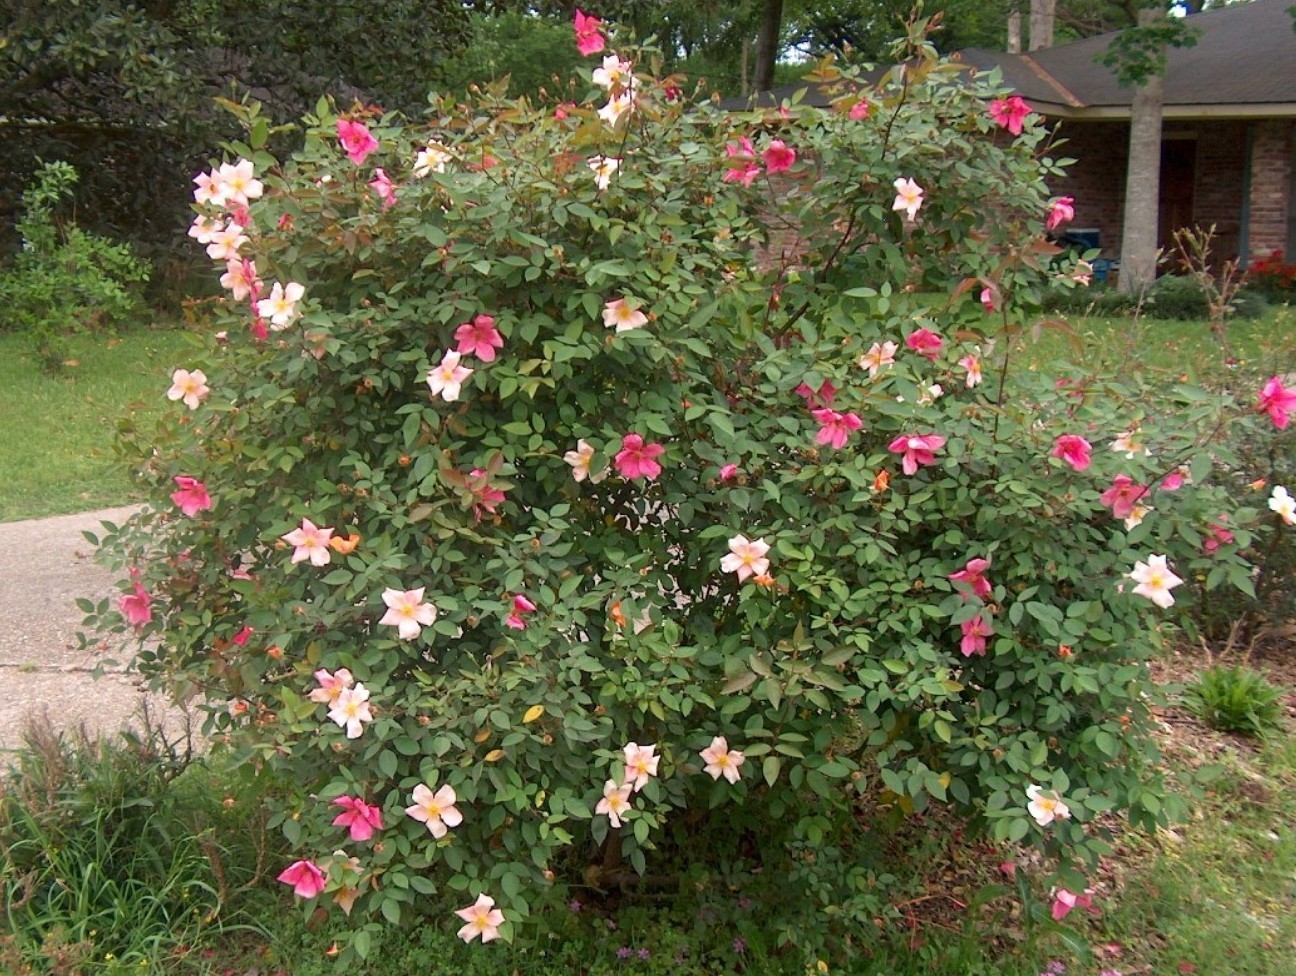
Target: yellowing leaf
(532, 713)
(495, 755)
(482, 736)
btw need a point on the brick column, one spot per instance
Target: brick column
(1271, 181)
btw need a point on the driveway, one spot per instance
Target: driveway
(45, 564)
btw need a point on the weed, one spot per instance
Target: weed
(1234, 699)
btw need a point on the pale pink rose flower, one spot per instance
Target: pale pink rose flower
(1074, 450)
(1136, 517)
(436, 810)
(925, 343)
(1281, 503)
(482, 918)
(603, 168)
(916, 450)
(208, 189)
(382, 185)
(238, 183)
(1278, 401)
(975, 632)
(616, 801)
(356, 139)
(973, 366)
(589, 35)
(331, 686)
(240, 278)
(746, 558)
(728, 472)
(619, 314)
(281, 306)
(835, 428)
(637, 459)
(616, 108)
(360, 818)
(191, 495)
(309, 541)
(479, 338)
(859, 111)
(306, 878)
(721, 760)
(446, 380)
(614, 73)
(1128, 442)
(1155, 581)
(909, 197)
(204, 229)
(1061, 211)
(640, 765)
(136, 606)
(880, 354)
(407, 612)
(579, 460)
(1046, 806)
(1064, 901)
(191, 387)
(351, 710)
(225, 243)
(433, 159)
(973, 577)
(1010, 112)
(778, 157)
(988, 299)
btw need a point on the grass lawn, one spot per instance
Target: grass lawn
(56, 432)
(1158, 344)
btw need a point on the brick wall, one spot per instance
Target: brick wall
(1097, 180)
(1271, 185)
(1220, 184)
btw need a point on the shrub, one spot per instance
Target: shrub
(1236, 699)
(64, 280)
(1273, 277)
(545, 537)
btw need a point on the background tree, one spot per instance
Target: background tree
(124, 90)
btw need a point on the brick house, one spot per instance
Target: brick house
(1228, 135)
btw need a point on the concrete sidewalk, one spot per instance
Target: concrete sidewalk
(45, 564)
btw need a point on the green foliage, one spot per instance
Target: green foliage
(1236, 699)
(1273, 278)
(118, 856)
(65, 280)
(532, 52)
(844, 675)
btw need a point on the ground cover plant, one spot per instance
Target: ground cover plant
(557, 539)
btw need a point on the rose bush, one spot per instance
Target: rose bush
(545, 517)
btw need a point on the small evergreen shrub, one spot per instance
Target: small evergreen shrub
(1273, 277)
(64, 280)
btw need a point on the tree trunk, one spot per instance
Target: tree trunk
(1042, 15)
(767, 42)
(1014, 32)
(1142, 184)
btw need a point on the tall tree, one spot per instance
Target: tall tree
(1138, 56)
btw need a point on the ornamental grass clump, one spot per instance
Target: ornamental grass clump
(544, 518)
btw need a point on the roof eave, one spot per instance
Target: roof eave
(1121, 113)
